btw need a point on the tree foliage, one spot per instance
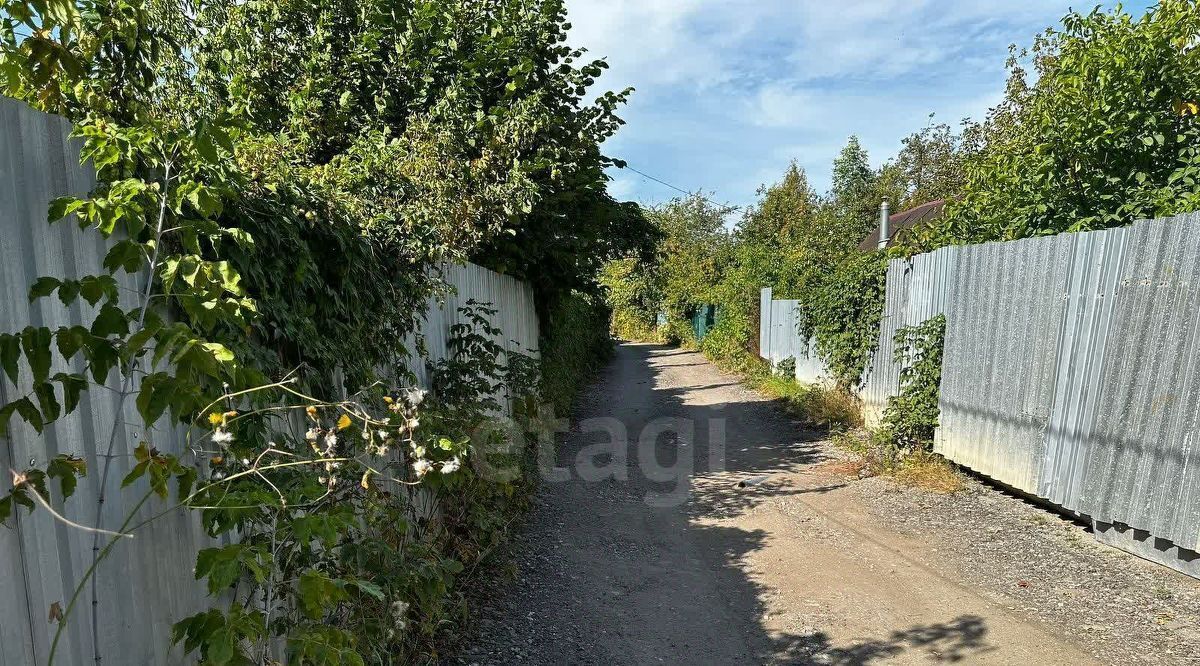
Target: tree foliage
(1104, 131)
(284, 181)
(841, 315)
(911, 416)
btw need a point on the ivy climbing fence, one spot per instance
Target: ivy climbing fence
(146, 585)
(1071, 372)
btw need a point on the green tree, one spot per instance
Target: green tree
(929, 165)
(691, 257)
(853, 181)
(766, 249)
(1106, 132)
(286, 178)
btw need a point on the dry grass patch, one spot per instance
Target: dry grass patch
(817, 405)
(929, 472)
(921, 469)
(848, 467)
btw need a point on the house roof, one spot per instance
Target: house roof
(904, 221)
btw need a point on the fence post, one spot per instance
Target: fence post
(764, 323)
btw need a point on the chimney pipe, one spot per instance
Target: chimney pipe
(884, 232)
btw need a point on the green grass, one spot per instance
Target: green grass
(820, 406)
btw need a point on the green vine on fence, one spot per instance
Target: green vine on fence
(911, 416)
(841, 314)
(278, 186)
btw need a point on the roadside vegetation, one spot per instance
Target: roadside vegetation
(286, 180)
(1099, 126)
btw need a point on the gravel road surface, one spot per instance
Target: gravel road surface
(651, 553)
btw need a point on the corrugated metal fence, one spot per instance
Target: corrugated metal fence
(146, 584)
(777, 338)
(1070, 372)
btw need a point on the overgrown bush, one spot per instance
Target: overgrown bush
(633, 295)
(842, 313)
(1102, 130)
(919, 469)
(911, 416)
(818, 406)
(284, 180)
(574, 345)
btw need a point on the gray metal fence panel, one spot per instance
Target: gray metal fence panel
(1096, 262)
(764, 322)
(917, 290)
(882, 374)
(1000, 357)
(779, 339)
(1144, 471)
(1071, 368)
(147, 584)
(1070, 373)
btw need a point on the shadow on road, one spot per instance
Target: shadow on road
(610, 573)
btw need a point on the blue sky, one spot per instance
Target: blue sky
(730, 91)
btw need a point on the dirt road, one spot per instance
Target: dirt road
(802, 566)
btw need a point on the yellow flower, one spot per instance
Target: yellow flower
(388, 399)
(343, 422)
(216, 419)
(312, 411)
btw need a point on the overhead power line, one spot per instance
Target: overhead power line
(728, 208)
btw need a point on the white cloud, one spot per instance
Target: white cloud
(622, 188)
(729, 91)
(649, 42)
(778, 104)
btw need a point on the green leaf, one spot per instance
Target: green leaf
(71, 340)
(95, 287)
(62, 207)
(223, 566)
(67, 469)
(111, 320)
(219, 352)
(10, 353)
(6, 413)
(46, 398)
(370, 588)
(205, 200)
(185, 480)
(318, 592)
(222, 648)
(138, 471)
(102, 357)
(68, 292)
(72, 386)
(30, 413)
(126, 255)
(36, 343)
(204, 143)
(155, 396)
(137, 341)
(43, 286)
(230, 278)
(240, 237)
